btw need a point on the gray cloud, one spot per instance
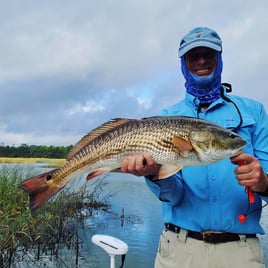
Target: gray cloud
(66, 67)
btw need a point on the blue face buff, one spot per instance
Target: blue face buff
(205, 88)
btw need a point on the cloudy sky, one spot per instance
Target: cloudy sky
(68, 66)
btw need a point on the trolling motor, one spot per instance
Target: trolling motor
(112, 246)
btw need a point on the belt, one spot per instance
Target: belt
(209, 236)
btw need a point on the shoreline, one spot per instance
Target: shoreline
(52, 162)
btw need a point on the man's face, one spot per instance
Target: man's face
(201, 61)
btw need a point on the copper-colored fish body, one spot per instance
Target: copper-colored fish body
(173, 142)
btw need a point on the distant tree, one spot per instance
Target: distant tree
(27, 151)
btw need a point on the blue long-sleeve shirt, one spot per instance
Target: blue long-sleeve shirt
(209, 197)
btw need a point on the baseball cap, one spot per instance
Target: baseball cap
(200, 37)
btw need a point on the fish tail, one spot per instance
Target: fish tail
(40, 188)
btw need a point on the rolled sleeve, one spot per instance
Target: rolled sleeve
(167, 190)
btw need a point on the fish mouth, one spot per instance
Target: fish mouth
(238, 151)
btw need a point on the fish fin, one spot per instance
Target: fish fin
(40, 189)
(108, 126)
(182, 145)
(96, 173)
(168, 170)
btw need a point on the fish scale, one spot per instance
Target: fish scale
(173, 142)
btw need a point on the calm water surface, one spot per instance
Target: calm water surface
(141, 231)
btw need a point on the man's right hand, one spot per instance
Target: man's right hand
(140, 165)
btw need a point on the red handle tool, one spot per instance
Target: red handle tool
(250, 193)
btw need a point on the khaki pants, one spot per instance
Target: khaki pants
(180, 251)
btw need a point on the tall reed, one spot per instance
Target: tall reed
(47, 230)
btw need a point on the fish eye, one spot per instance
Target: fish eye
(48, 177)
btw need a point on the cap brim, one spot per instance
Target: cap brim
(199, 43)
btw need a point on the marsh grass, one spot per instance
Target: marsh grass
(51, 162)
(47, 230)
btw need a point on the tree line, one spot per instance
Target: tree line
(32, 151)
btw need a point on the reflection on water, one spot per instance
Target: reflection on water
(142, 233)
(140, 228)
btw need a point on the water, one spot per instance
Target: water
(140, 229)
(141, 232)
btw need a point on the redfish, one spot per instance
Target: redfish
(173, 142)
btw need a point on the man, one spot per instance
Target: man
(201, 204)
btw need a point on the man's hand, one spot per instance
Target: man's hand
(250, 174)
(140, 165)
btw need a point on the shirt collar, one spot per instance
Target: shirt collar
(193, 101)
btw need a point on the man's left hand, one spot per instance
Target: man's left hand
(250, 174)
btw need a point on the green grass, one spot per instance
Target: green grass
(53, 162)
(50, 228)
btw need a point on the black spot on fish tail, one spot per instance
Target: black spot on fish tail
(49, 177)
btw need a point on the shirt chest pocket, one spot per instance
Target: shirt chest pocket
(243, 127)
(244, 122)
